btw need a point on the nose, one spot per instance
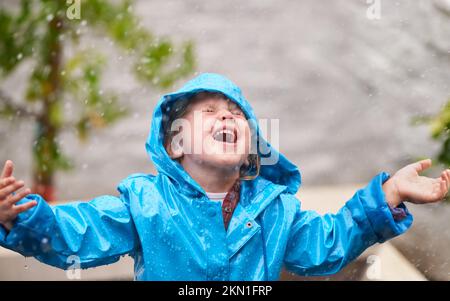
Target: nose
(225, 114)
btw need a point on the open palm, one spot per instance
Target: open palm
(419, 189)
(10, 195)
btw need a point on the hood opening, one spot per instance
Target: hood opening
(283, 172)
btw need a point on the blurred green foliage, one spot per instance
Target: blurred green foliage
(39, 32)
(439, 124)
(440, 131)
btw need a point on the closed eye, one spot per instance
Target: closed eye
(235, 110)
(209, 109)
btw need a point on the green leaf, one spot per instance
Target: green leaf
(40, 33)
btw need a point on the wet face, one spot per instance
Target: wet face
(214, 132)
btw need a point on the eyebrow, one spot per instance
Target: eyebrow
(230, 105)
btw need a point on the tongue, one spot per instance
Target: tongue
(228, 138)
(225, 138)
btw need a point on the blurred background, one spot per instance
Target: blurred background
(359, 87)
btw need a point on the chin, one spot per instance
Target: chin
(225, 160)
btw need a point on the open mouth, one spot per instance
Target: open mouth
(225, 136)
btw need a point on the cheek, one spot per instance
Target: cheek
(195, 138)
(245, 133)
(247, 140)
(207, 127)
(196, 130)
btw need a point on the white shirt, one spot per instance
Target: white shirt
(216, 196)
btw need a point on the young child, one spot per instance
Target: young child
(214, 211)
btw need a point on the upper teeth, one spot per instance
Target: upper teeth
(225, 135)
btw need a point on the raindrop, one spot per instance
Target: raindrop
(19, 56)
(50, 17)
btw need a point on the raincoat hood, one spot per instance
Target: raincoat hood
(282, 172)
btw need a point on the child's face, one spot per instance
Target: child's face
(215, 134)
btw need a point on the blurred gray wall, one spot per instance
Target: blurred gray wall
(344, 87)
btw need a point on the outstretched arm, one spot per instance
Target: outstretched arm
(321, 245)
(93, 233)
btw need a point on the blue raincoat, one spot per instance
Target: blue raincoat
(174, 232)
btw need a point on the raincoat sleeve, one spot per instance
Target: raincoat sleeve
(85, 234)
(322, 245)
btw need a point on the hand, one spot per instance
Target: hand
(8, 208)
(407, 185)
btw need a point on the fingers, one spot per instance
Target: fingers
(422, 165)
(7, 169)
(24, 207)
(10, 189)
(439, 191)
(444, 189)
(447, 180)
(445, 175)
(6, 181)
(17, 197)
